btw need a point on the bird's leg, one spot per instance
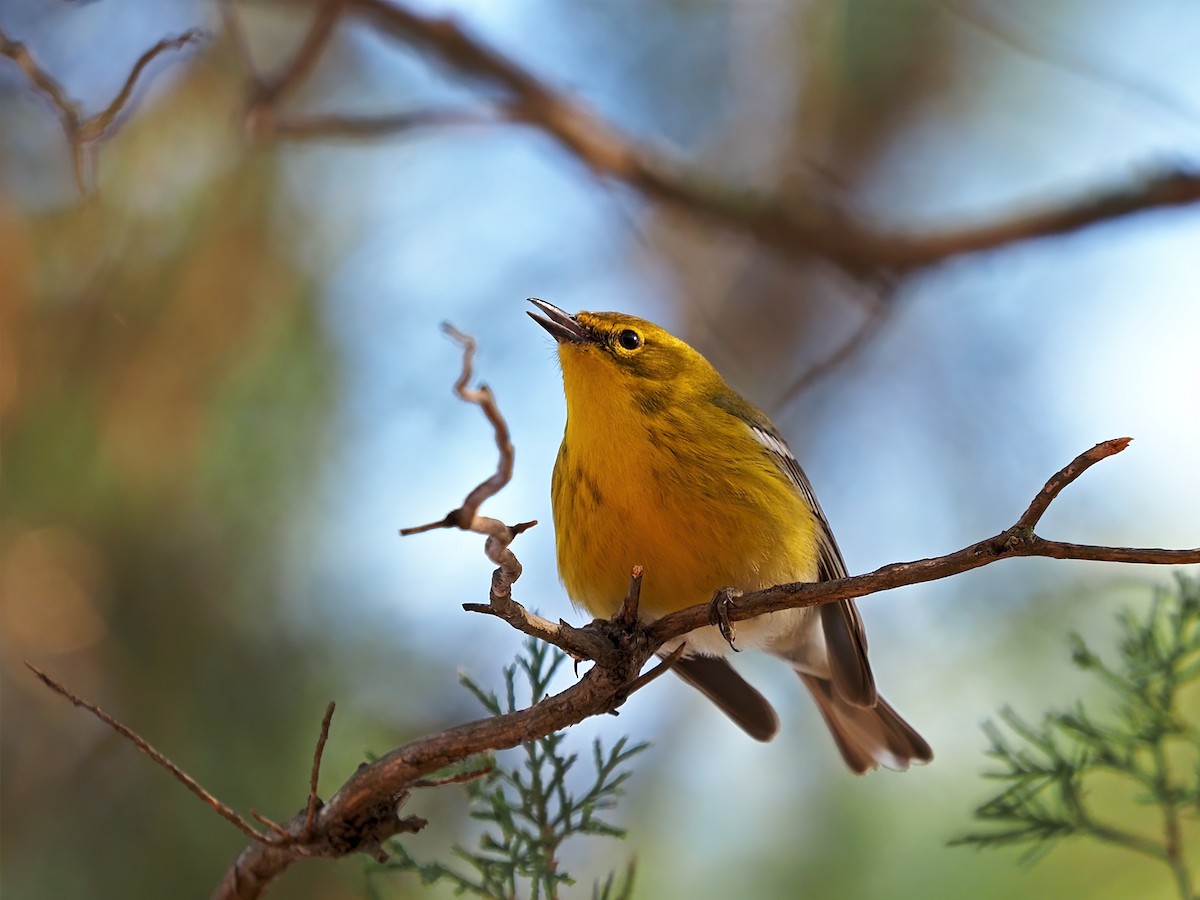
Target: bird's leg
(718, 613)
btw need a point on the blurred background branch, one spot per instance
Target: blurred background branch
(83, 134)
(792, 227)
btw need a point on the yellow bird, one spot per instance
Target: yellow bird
(663, 465)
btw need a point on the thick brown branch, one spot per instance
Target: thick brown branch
(364, 812)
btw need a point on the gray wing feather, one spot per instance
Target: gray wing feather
(845, 636)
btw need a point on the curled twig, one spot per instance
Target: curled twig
(466, 517)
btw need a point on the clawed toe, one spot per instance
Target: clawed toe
(718, 613)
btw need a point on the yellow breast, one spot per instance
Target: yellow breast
(640, 481)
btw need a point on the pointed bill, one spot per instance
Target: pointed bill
(563, 326)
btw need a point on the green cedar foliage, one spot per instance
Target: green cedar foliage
(529, 808)
(1055, 774)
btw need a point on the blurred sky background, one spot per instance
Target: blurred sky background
(224, 390)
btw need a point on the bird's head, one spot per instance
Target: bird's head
(603, 352)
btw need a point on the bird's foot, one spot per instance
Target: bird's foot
(718, 613)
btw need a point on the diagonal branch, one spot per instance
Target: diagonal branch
(138, 741)
(1064, 476)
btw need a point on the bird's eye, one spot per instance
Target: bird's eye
(629, 339)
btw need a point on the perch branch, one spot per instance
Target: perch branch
(607, 684)
(1019, 540)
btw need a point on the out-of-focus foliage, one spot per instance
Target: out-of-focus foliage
(165, 388)
(222, 391)
(1073, 775)
(533, 807)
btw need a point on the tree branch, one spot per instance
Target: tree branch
(84, 133)
(1019, 540)
(786, 226)
(608, 683)
(144, 746)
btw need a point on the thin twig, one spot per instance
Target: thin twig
(313, 799)
(1034, 43)
(263, 123)
(241, 44)
(272, 825)
(83, 134)
(305, 58)
(1064, 476)
(664, 665)
(867, 329)
(1017, 541)
(456, 778)
(628, 613)
(41, 80)
(94, 129)
(144, 746)
(466, 517)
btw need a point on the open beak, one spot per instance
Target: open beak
(565, 328)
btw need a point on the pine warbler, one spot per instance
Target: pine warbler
(662, 465)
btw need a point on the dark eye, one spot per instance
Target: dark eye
(629, 339)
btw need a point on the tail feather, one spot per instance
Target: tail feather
(867, 737)
(719, 682)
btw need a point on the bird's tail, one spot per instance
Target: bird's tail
(868, 737)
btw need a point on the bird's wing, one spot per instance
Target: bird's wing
(845, 636)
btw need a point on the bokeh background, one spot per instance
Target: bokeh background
(224, 389)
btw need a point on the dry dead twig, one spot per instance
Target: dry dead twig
(144, 747)
(466, 516)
